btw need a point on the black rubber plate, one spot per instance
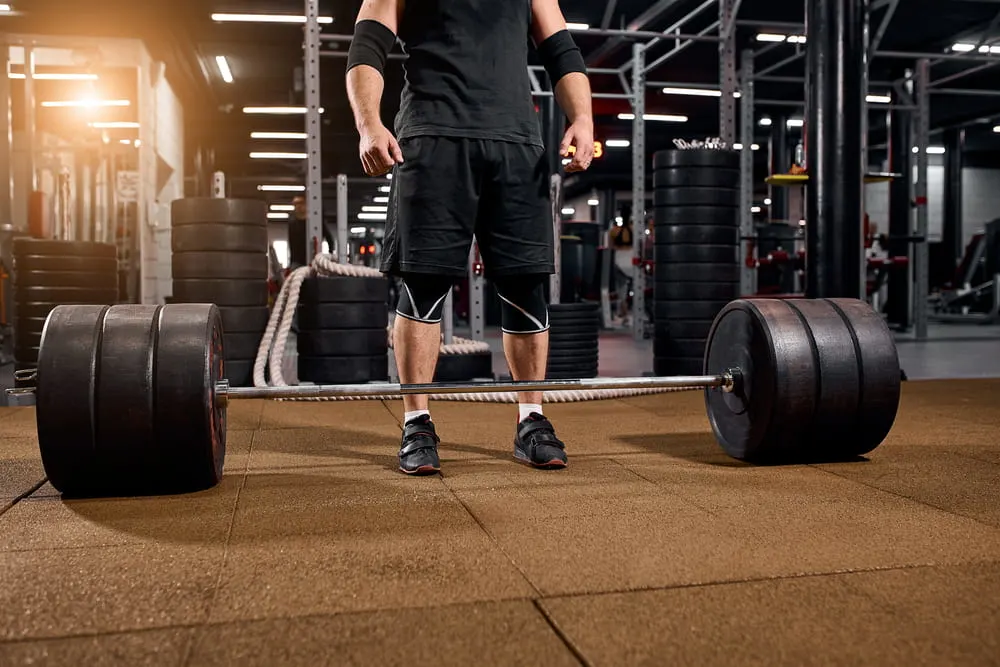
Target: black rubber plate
(687, 310)
(704, 234)
(576, 309)
(696, 254)
(239, 372)
(219, 238)
(344, 289)
(347, 342)
(249, 319)
(696, 215)
(343, 370)
(343, 316)
(199, 210)
(685, 177)
(696, 291)
(571, 336)
(65, 295)
(673, 366)
(464, 367)
(678, 347)
(240, 265)
(727, 197)
(712, 159)
(63, 263)
(241, 345)
(27, 246)
(686, 272)
(222, 292)
(89, 279)
(683, 329)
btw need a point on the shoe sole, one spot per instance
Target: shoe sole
(422, 470)
(553, 464)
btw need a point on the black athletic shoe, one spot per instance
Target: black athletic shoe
(536, 443)
(418, 452)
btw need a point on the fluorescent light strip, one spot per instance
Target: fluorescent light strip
(932, 150)
(375, 209)
(278, 111)
(578, 26)
(371, 216)
(755, 209)
(697, 92)
(617, 143)
(53, 76)
(380, 200)
(997, 129)
(878, 99)
(384, 188)
(667, 118)
(358, 230)
(766, 122)
(278, 135)
(282, 207)
(86, 103)
(4, 8)
(569, 210)
(265, 155)
(277, 216)
(114, 125)
(964, 47)
(771, 37)
(224, 71)
(593, 202)
(795, 122)
(266, 18)
(281, 188)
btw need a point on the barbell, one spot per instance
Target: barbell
(131, 400)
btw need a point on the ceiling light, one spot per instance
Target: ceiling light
(281, 188)
(54, 76)
(767, 202)
(655, 116)
(694, 92)
(375, 209)
(765, 122)
(796, 39)
(114, 125)
(224, 71)
(755, 147)
(578, 26)
(127, 142)
(569, 211)
(932, 150)
(997, 129)
(371, 216)
(87, 103)
(795, 122)
(618, 221)
(617, 143)
(566, 161)
(380, 200)
(388, 176)
(755, 209)
(5, 9)
(279, 111)
(770, 37)
(384, 188)
(737, 146)
(282, 207)
(277, 135)
(277, 216)
(266, 18)
(266, 155)
(962, 48)
(358, 230)
(878, 99)
(593, 202)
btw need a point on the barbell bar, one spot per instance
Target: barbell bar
(131, 400)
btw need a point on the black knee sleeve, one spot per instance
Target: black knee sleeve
(523, 309)
(421, 297)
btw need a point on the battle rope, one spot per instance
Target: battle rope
(271, 353)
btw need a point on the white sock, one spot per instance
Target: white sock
(524, 410)
(413, 414)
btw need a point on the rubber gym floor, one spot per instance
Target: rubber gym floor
(653, 547)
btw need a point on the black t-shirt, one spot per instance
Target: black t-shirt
(466, 75)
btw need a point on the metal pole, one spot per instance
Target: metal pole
(29, 117)
(748, 275)
(677, 49)
(727, 381)
(314, 155)
(448, 318)
(727, 76)
(900, 298)
(951, 232)
(477, 293)
(343, 245)
(6, 140)
(639, 190)
(922, 136)
(555, 280)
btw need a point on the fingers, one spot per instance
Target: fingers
(395, 150)
(582, 158)
(567, 142)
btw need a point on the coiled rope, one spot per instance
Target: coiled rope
(273, 345)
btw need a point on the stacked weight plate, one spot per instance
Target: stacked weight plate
(573, 340)
(342, 335)
(50, 273)
(220, 256)
(696, 197)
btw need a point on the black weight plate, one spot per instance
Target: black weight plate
(241, 345)
(838, 384)
(26, 246)
(27, 339)
(89, 279)
(771, 409)
(573, 348)
(222, 292)
(683, 329)
(343, 343)
(575, 308)
(703, 157)
(684, 177)
(687, 310)
(697, 197)
(190, 418)
(65, 263)
(65, 295)
(219, 238)
(686, 272)
(571, 336)
(66, 388)
(583, 356)
(669, 366)
(881, 375)
(239, 265)
(677, 347)
(464, 367)
(588, 323)
(571, 374)
(200, 210)
(706, 234)
(695, 254)
(696, 291)
(343, 316)
(695, 215)
(239, 372)
(343, 370)
(27, 310)
(26, 353)
(343, 289)
(236, 319)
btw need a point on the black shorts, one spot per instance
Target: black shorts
(449, 189)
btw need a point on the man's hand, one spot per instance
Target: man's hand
(581, 135)
(379, 151)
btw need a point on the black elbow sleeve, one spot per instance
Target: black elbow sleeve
(560, 56)
(371, 45)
